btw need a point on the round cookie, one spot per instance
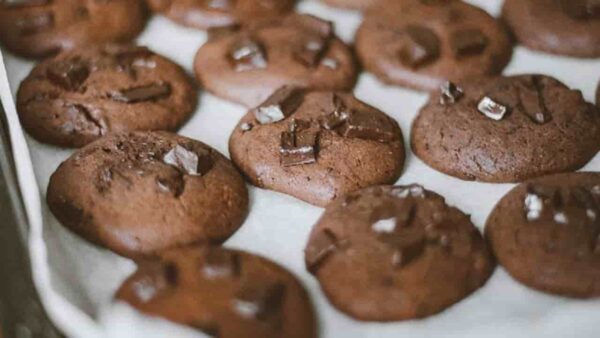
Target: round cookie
(565, 27)
(420, 44)
(83, 94)
(142, 192)
(546, 233)
(381, 254)
(353, 4)
(317, 146)
(205, 14)
(223, 293)
(38, 28)
(506, 129)
(248, 66)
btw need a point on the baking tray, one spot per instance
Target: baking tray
(76, 280)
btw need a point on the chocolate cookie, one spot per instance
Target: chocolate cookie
(248, 66)
(223, 293)
(353, 4)
(317, 146)
(204, 14)
(565, 27)
(396, 253)
(546, 233)
(422, 43)
(37, 28)
(142, 192)
(82, 94)
(506, 129)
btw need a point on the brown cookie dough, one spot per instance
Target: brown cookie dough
(506, 129)
(396, 253)
(546, 233)
(83, 94)
(38, 28)
(223, 293)
(248, 66)
(317, 146)
(353, 4)
(565, 27)
(142, 192)
(205, 14)
(422, 43)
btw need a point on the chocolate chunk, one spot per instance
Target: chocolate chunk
(298, 147)
(247, 54)
(492, 109)
(408, 245)
(581, 9)
(321, 247)
(420, 46)
(220, 264)
(68, 74)
(450, 93)
(81, 118)
(367, 126)
(337, 117)
(311, 52)
(171, 182)
(184, 160)
(259, 301)
(532, 101)
(468, 42)
(22, 3)
(143, 93)
(313, 24)
(35, 23)
(283, 103)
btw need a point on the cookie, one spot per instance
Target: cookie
(223, 293)
(317, 146)
(38, 28)
(564, 27)
(546, 233)
(205, 14)
(142, 192)
(420, 43)
(353, 4)
(396, 253)
(506, 129)
(83, 94)
(248, 66)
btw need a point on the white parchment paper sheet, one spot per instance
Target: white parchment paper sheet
(77, 280)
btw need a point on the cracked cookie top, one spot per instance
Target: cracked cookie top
(83, 94)
(506, 129)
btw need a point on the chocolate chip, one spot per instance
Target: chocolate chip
(171, 182)
(84, 119)
(220, 264)
(450, 93)
(468, 42)
(247, 54)
(298, 147)
(35, 23)
(68, 74)
(337, 117)
(188, 162)
(407, 245)
(22, 3)
(492, 109)
(281, 104)
(581, 9)
(319, 249)
(368, 126)
(143, 93)
(532, 101)
(420, 46)
(259, 301)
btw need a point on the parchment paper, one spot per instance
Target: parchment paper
(76, 280)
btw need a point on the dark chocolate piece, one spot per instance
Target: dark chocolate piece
(172, 183)
(68, 74)
(367, 126)
(337, 117)
(259, 301)
(492, 109)
(468, 42)
(407, 244)
(144, 93)
(321, 247)
(298, 146)
(450, 93)
(247, 54)
(532, 101)
(420, 46)
(283, 103)
(35, 23)
(188, 162)
(220, 264)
